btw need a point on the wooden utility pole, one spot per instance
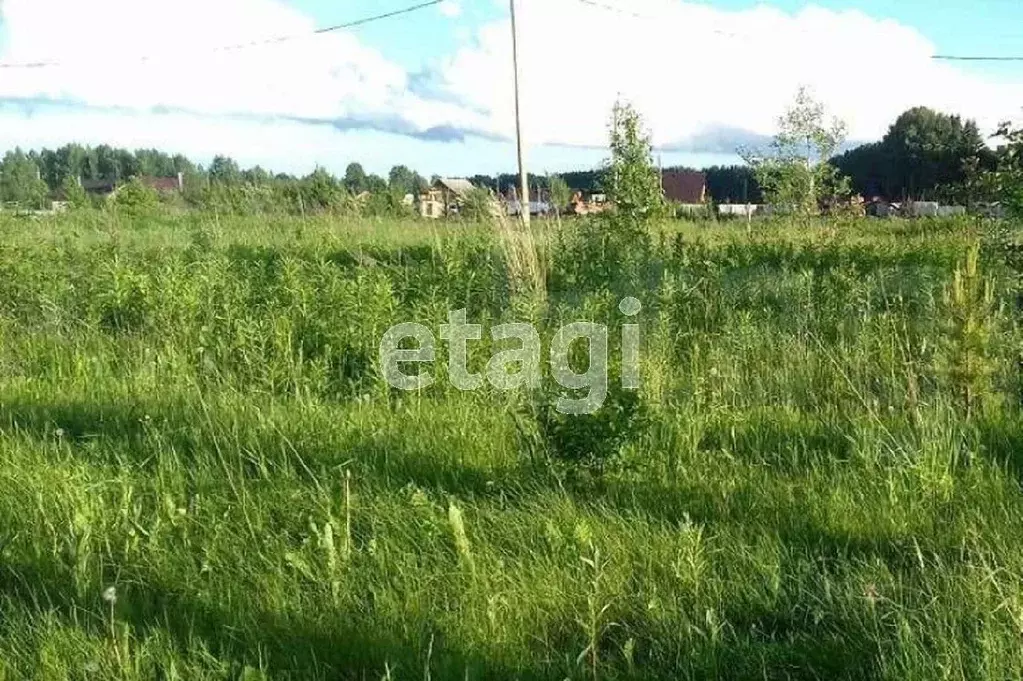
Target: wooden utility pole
(523, 177)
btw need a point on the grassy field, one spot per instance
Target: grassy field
(203, 475)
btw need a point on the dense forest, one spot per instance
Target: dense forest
(31, 178)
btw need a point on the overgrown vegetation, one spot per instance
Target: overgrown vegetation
(812, 472)
(1005, 181)
(204, 476)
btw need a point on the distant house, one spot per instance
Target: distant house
(684, 186)
(107, 188)
(444, 197)
(164, 185)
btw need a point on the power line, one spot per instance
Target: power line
(255, 43)
(952, 57)
(431, 3)
(378, 17)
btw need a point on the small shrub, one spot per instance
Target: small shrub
(592, 442)
(479, 204)
(123, 302)
(386, 204)
(609, 251)
(136, 199)
(73, 193)
(967, 363)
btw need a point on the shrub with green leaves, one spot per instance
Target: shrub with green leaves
(135, 199)
(630, 178)
(20, 182)
(592, 442)
(479, 205)
(73, 193)
(796, 174)
(967, 361)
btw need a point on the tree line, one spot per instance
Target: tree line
(31, 178)
(925, 155)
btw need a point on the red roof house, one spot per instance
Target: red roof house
(684, 186)
(164, 185)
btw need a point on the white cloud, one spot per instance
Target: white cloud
(280, 145)
(451, 8)
(698, 74)
(328, 76)
(692, 68)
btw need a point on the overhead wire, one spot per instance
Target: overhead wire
(597, 4)
(954, 57)
(274, 40)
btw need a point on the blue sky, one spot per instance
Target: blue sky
(432, 89)
(970, 27)
(985, 27)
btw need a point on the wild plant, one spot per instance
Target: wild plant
(527, 260)
(967, 360)
(594, 621)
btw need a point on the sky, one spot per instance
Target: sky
(432, 89)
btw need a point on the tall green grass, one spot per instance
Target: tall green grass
(204, 476)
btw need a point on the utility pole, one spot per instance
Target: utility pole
(523, 177)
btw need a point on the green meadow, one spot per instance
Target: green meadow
(203, 474)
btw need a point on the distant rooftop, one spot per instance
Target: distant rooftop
(456, 185)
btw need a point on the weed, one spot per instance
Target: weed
(969, 301)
